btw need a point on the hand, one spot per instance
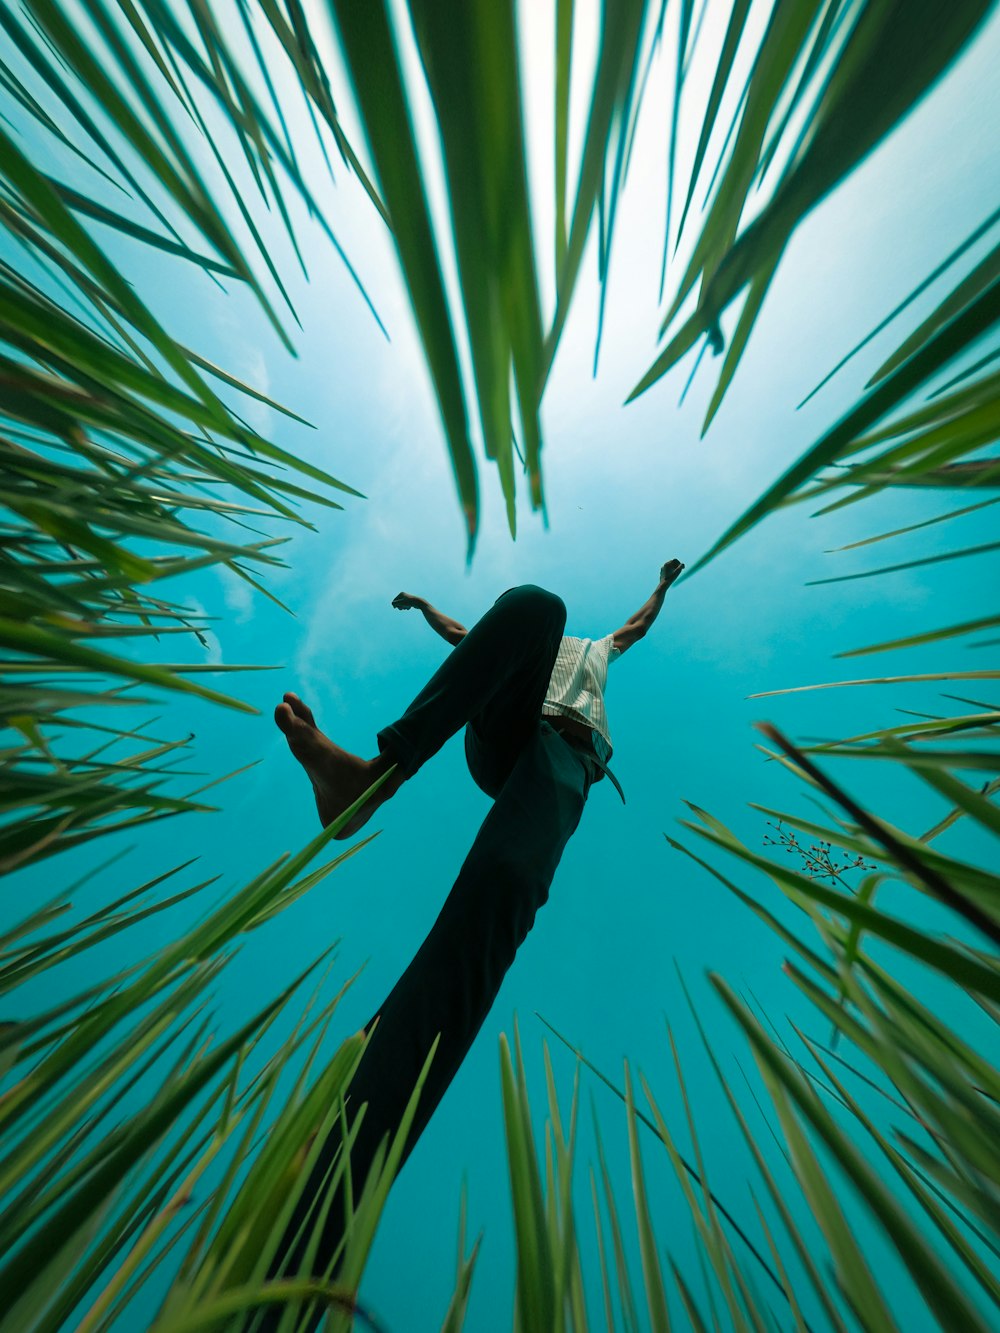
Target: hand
(405, 601)
(670, 571)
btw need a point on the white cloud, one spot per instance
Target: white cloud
(212, 647)
(238, 596)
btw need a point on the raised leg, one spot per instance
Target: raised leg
(497, 675)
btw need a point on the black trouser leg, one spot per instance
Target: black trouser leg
(451, 984)
(497, 675)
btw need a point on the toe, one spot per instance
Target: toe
(285, 718)
(300, 709)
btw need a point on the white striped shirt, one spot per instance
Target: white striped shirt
(576, 688)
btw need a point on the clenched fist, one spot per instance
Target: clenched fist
(670, 571)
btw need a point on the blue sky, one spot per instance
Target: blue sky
(627, 488)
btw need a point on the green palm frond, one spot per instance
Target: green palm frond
(97, 1192)
(119, 458)
(860, 69)
(935, 1203)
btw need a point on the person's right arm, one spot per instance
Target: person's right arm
(449, 629)
(636, 626)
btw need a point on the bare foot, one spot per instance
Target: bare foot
(338, 778)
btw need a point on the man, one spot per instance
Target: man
(536, 737)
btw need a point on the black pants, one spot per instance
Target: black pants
(493, 683)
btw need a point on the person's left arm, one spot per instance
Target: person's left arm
(638, 625)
